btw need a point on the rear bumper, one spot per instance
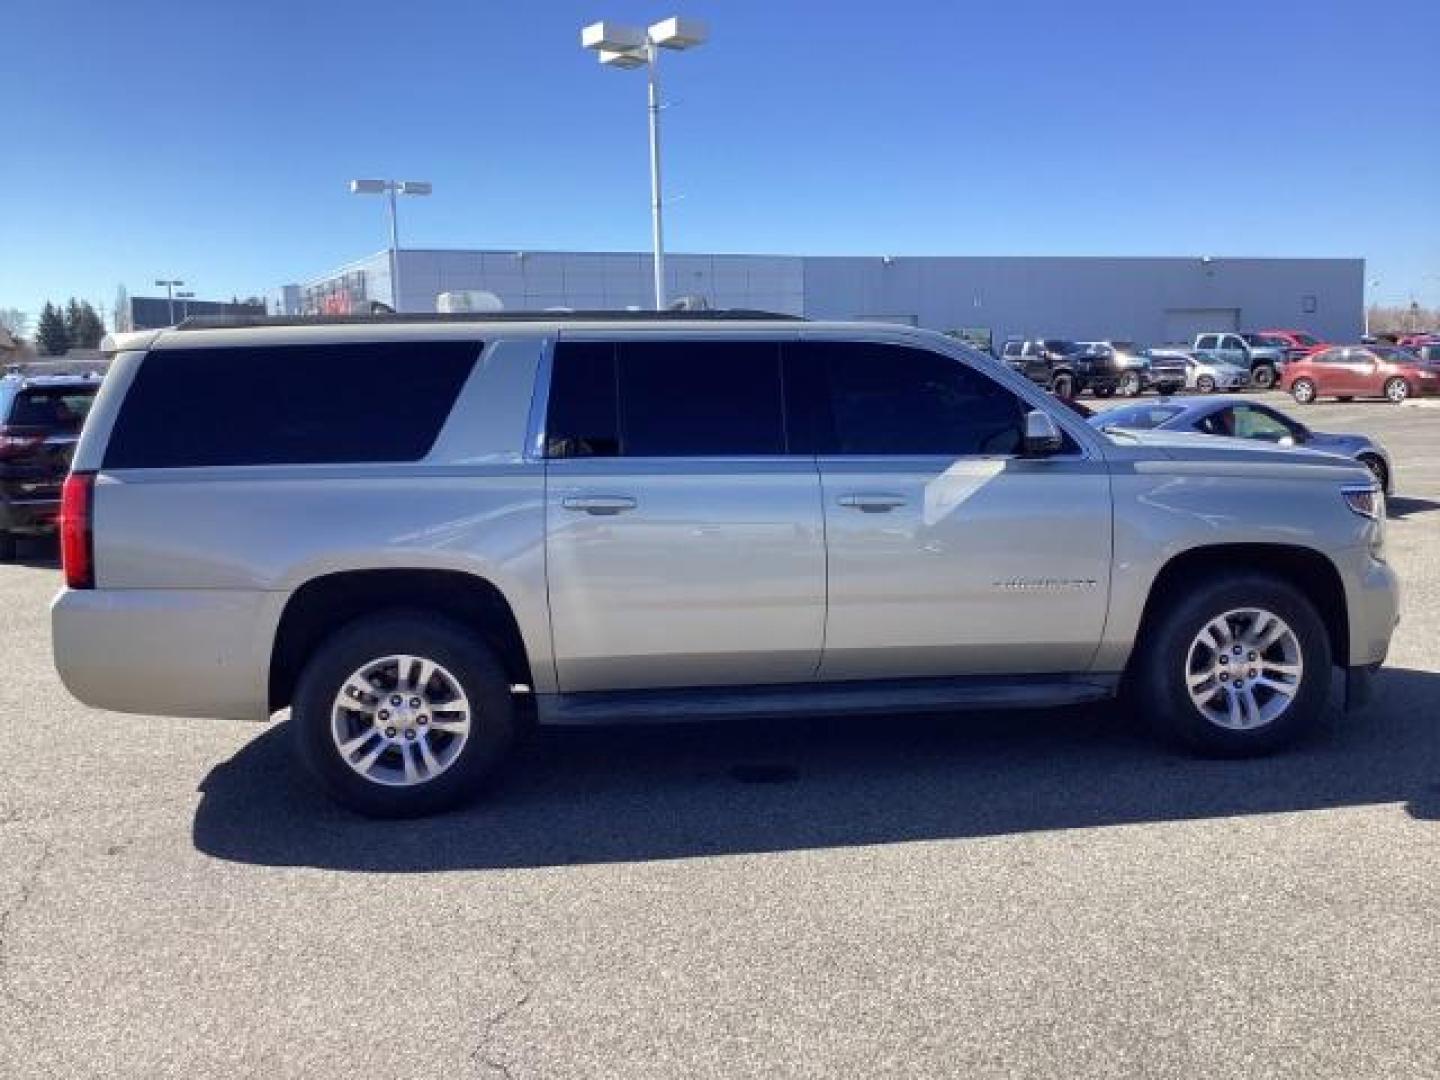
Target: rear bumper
(169, 652)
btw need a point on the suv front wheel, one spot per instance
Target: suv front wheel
(402, 715)
(1238, 667)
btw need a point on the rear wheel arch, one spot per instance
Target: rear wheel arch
(323, 605)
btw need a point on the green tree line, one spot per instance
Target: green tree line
(75, 326)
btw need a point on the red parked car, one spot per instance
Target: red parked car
(1351, 371)
(1297, 341)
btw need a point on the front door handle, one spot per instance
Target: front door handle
(599, 504)
(871, 502)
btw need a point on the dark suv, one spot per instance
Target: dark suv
(1061, 366)
(40, 420)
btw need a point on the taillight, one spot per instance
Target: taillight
(77, 537)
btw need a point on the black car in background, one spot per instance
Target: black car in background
(40, 420)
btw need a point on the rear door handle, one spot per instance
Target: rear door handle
(599, 504)
(871, 502)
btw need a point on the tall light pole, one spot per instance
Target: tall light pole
(171, 284)
(184, 298)
(630, 47)
(390, 188)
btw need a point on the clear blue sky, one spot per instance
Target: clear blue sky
(212, 141)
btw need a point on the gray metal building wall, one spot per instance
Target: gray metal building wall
(1143, 299)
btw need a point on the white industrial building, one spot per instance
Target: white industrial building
(1141, 299)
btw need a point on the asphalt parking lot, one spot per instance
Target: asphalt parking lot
(1042, 894)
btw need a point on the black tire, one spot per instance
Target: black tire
(1064, 387)
(1377, 468)
(462, 653)
(1130, 384)
(1396, 389)
(1263, 377)
(8, 547)
(1159, 678)
(1104, 391)
(1304, 391)
(1205, 384)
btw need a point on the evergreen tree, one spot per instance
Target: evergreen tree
(88, 329)
(51, 338)
(72, 321)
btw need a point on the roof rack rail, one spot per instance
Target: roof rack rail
(380, 319)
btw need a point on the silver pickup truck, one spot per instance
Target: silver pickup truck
(422, 535)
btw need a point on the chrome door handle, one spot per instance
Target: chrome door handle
(599, 504)
(871, 502)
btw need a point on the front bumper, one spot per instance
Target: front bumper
(167, 652)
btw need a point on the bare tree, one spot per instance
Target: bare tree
(15, 321)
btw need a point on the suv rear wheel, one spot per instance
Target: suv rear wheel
(403, 714)
(1238, 667)
(1130, 384)
(1263, 377)
(1064, 387)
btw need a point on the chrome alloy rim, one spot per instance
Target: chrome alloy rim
(1244, 669)
(400, 720)
(1396, 390)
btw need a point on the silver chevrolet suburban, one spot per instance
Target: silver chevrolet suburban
(421, 535)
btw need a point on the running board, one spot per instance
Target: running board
(822, 699)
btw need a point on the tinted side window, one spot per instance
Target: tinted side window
(889, 399)
(666, 399)
(584, 416)
(700, 398)
(289, 404)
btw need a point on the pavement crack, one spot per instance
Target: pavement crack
(485, 1054)
(8, 916)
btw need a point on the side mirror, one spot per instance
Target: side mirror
(1042, 435)
(1285, 440)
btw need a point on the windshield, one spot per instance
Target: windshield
(1061, 346)
(1139, 417)
(1306, 339)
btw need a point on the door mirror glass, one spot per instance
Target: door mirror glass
(1042, 435)
(1286, 440)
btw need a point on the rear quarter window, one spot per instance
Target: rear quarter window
(289, 404)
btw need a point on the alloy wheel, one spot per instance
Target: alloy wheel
(400, 721)
(1244, 669)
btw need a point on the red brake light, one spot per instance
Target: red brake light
(77, 538)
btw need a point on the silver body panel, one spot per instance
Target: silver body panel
(694, 573)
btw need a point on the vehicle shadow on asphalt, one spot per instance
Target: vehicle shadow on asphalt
(642, 793)
(1402, 507)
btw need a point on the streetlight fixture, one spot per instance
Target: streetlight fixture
(630, 47)
(171, 284)
(391, 188)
